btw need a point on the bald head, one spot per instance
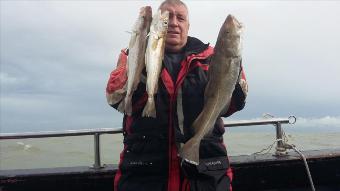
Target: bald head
(173, 2)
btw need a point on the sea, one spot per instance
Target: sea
(79, 151)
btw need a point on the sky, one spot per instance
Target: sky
(56, 57)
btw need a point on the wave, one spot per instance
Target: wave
(326, 123)
(323, 121)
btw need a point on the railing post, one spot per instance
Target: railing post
(97, 164)
(280, 149)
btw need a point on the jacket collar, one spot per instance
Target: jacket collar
(194, 46)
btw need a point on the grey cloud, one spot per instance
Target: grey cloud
(56, 57)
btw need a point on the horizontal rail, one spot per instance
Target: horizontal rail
(97, 132)
(66, 133)
(82, 132)
(270, 121)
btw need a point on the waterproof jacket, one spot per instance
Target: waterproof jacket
(149, 160)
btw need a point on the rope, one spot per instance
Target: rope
(268, 149)
(305, 162)
(289, 146)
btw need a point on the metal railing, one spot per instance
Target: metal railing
(280, 149)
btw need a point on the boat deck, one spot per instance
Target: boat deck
(260, 172)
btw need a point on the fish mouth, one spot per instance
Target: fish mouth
(232, 21)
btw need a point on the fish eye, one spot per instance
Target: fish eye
(166, 22)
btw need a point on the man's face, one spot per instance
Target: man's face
(178, 27)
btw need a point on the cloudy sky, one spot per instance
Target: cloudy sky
(56, 57)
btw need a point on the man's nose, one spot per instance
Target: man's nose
(173, 21)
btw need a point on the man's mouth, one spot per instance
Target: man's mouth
(173, 32)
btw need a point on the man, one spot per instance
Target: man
(150, 161)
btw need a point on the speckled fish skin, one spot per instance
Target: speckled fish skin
(223, 75)
(153, 59)
(136, 57)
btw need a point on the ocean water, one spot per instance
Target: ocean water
(78, 151)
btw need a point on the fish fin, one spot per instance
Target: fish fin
(154, 44)
(150, 109)
(128, 105)
(132, 32)
(225, 109)
(190, 151)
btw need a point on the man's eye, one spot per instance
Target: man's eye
(181, 19)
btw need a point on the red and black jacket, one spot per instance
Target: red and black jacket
(150, 159)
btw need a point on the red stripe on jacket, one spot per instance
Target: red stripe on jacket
(118, 77)
(172, 88)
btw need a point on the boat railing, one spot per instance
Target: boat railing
(277, 122)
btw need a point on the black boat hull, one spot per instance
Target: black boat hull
(260, 172)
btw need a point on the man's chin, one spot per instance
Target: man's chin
(172, 48)
(172, 41)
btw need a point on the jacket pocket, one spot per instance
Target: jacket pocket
(145, 154)
(209, 175)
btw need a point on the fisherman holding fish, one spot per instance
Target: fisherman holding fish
(173, 90)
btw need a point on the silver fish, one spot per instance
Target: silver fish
(136, 58)
(223, 75)
(154, 57)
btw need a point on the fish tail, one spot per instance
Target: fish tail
(149, 109)
(190, 151)
(128, 105)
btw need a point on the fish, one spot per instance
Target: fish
(136, 57)
(154, 57)
(223, 74)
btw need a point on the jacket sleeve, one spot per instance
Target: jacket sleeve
(116, 85)
(239, 96)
